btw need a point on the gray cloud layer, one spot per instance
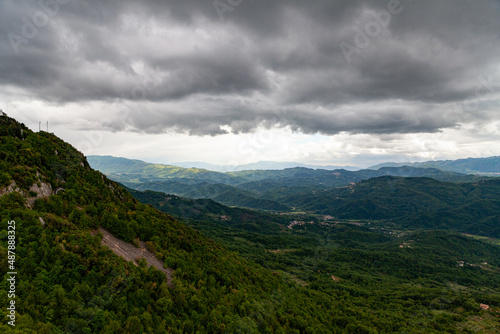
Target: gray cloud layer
(316, 67)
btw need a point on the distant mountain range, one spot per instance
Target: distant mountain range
(263, 165)
(482, 166)
(255, 189)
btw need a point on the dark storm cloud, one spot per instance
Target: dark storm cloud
(316, 67)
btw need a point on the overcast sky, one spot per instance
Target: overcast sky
(238, 81)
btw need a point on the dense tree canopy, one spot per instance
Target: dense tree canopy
(68, 283)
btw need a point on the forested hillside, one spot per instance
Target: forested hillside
(404, 197)
(344, 279)
(68, 283)
(412, 203)
(327, 255)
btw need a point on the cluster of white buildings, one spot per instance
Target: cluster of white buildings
(292, 224)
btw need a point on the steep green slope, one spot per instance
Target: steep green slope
(67, 282)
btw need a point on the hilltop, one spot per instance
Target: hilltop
(141, 170)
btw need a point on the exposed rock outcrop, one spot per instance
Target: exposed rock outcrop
(131, 253)
(9, 189)
(43, 190)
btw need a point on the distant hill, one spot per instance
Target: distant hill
(141, 169)
(485, 166)
(108, 164)
(412, 203)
